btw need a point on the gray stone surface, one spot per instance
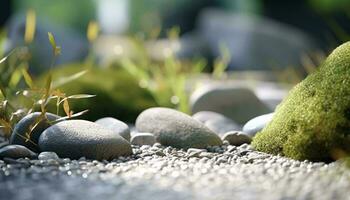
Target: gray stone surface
(257, 124)
(116, 126)
(5, 143)
(237, 138)
(16, 151)
(216, 122)
(158, 172)
(254, 42)
(22, 128)
(236, 102)
(143, 139)
(79, 138)
(47, 155)
(173, 128)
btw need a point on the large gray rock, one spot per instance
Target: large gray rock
(22, 129)
(116, 126)
(257, 124)
(78, 138)
(254, 42)
(216, 122)
(238, 103)
(173, 128)
(16, 151)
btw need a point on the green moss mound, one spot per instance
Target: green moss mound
(313, 121)
(117, 93)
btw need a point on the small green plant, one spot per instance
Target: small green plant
(221, 63)
(91, 34)
(20, 95)
(166, 79)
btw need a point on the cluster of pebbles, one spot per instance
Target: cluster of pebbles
(159, 172)
(172, 156)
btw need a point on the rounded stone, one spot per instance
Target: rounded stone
(236, 102)
(116, 126)
(47, 155)
(143, 139)
(216, 122)
(257, 124)
(237, 138)
(173, 128)
(79, 138)
(16, 151)
(22, 128)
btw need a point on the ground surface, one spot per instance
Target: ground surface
(157, 172)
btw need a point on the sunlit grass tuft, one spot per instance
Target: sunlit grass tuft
(20, 96)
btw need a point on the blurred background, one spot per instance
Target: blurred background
(258, 33)
(150, 52)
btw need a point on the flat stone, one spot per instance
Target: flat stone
(237, 138)
(79, 138)
(143, 139)
(195, 150)
(22, 128)
(116, 126)
(173, 128)
(235, 102)
(16, 151)
(257, 124)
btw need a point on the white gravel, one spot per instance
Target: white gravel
(156, 172)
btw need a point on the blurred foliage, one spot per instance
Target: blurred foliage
(92, 31)
(147, 15)
(117, 93)
(164, 79)
(30, 27)
(329, 6)
(76, 13)
(221, 63)
(340, 33)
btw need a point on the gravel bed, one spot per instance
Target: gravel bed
(157, 172)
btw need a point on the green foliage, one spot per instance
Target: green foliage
(75, 14)
(56, 49)
(329, 6)
(30, 27)
(313, 122)
(20, 96)
(221, 63)
(117, 93)
(165, 79)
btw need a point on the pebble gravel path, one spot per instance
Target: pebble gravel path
(158, 172)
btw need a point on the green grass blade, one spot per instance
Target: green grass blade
(68, 79)
(15, 78)
(27, 78)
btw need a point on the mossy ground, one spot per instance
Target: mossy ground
(313, 121)
(117, 93)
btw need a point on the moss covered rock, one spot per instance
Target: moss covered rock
(313, 121)
(117, 93)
